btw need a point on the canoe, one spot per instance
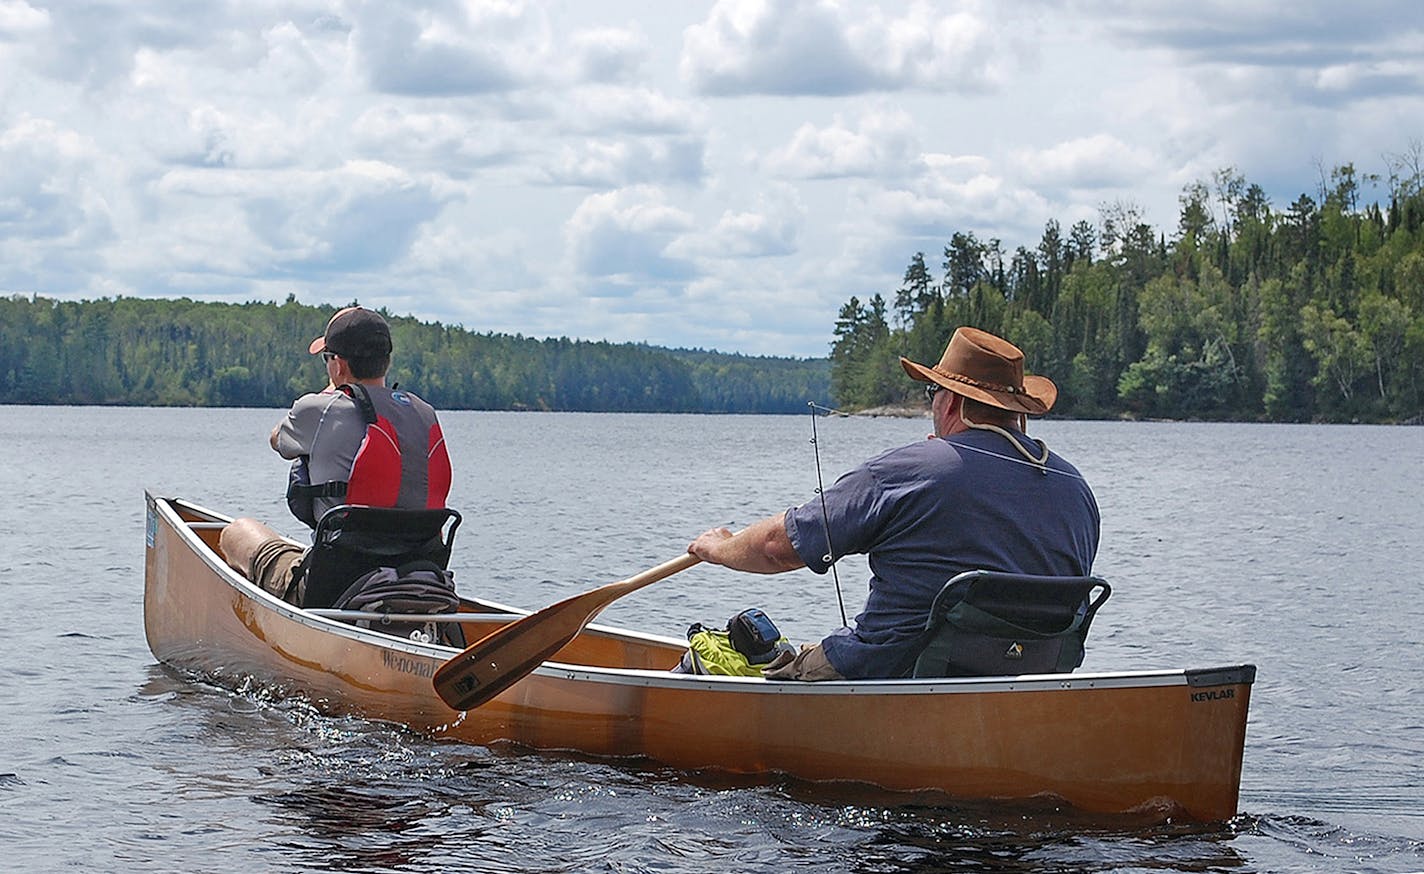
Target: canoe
(1127, 742)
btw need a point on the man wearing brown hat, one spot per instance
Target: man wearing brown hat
(403, 464)
(978, 494)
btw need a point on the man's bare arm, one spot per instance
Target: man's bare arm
(763, 548)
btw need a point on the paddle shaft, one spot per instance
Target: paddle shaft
(502, 658)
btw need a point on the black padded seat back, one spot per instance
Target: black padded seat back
(985, 623)
(352, 540)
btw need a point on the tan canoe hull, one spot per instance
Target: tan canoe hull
(1104, 743)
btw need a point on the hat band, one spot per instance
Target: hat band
(980, 384)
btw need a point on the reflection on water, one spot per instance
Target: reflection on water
(359, 828)
(1031, 845)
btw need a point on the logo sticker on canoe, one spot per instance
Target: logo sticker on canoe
(408, 665)
(1213, 695)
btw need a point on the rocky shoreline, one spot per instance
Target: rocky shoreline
(898, 411)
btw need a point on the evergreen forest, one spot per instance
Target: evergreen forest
(1244, 312)
(135, 351)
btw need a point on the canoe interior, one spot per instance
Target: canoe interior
(595, 648)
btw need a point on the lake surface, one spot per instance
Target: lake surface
(1296, 548)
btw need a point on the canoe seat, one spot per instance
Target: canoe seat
(351, 540)
(986, 624)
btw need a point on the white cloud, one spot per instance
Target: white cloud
(816, 47)
(56, 218)
(20, 20)
(452, 49)
(41, 191)
(447, 142)
(770, 229)
(623, 236)
(498, 262)
(882, 144)
(1092, 162)
(961, 51)
(1371, 79)
(958, 194)
(627, 162)
(756, 47)
(218, 138)
(629, 109)
(359, 217)
(1314, 51)
(608, 54)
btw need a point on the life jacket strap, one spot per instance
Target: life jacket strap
(332, 489)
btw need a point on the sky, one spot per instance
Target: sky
(717, 175)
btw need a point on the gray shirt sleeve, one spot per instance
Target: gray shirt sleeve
(297, 432)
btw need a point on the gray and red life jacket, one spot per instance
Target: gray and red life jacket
(402, 461)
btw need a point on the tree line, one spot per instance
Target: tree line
(1245, 312)
(165, 352)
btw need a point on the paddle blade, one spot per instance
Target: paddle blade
(505, 656)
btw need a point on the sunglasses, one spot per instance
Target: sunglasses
(930, 389)
(329, 356)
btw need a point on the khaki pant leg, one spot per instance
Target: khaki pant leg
(273, 565)
(809, 664)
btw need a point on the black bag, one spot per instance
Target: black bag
(299, 496)
(302, 495)
(754, 635)
(417, 587)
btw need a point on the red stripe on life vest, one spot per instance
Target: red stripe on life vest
(437, 469)
(376, 474)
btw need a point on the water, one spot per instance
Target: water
(1291, 547)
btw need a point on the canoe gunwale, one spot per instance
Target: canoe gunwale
(916, 686)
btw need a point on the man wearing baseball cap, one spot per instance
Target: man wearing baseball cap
(979, 494)
(404, 465)
(356, 333)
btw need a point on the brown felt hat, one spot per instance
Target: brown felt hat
(988, 369)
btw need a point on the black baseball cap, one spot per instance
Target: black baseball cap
(355, 332)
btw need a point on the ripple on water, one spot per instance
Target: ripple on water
(1289, 547)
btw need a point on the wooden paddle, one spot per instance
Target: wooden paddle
(502, 658)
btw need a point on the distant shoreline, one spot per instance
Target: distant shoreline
(919, 411)
(889, 411)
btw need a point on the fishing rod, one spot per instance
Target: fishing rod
(830, 556)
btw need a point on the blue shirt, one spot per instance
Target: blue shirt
(925, 512)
